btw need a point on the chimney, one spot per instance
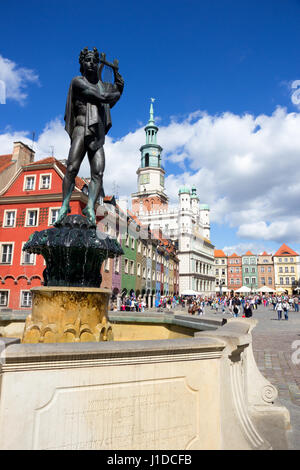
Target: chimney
(22, 154)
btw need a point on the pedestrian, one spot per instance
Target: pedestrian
(296, 304)
(286, 308)
(247, 310)
(279, 309)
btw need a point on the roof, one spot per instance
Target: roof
(285, 250)
(184, 190)
(5, 162)
(265, 254)
(219, 254)
(79, 182)
(234, 255)
(249, 253)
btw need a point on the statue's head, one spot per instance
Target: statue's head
(89, 60)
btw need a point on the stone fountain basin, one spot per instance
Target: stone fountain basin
(201, 391)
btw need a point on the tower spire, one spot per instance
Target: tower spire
(151, 120)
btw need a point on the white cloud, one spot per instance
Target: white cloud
(16, 80)
(245, 167)
(242, 248)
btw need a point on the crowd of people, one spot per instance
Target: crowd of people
(245, 305)
(196, 305)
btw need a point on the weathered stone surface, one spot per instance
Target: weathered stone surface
(67, 315)
(191, 393)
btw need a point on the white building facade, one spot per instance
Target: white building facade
(187, 224)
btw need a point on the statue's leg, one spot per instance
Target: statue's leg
(97, 164)
(76, 155)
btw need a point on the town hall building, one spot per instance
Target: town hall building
(187, 224)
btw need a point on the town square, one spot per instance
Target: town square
(150, 228)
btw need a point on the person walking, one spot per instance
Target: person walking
(279, 309)
(286, 307)
(296, 304)
(247, 310)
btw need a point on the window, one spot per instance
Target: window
(53, 216)
(292, 280)
(262, 269)
(6, 253)
(3, 298)
(281, 270)
(292, 269)
(25, 298)
(246, 270)
(291, 260)
(127, 240)
(32, 218)
(126, 265)
(265, 261)
(246, 261)
(27, 258)
(132, 243)
(252, 261)
(139, 246)
(231, 270)
(247, 281)
(253, 270)
(287, 280)
(45, 181)
(263, 281)
(269, 280)
(269, 269)
(223, 272)
(286, 269)
(217, 272)
(217, 261)
(117, 265)
(132, 267)
(253, 280)
(9, 218)
(138, 269)
(281, 280)
(144, 273)
(29, 183)
(237, 270)
(280, 260)
(223, 261)
(237, 281)
(236, 261)
(231, 281)
(285, 260)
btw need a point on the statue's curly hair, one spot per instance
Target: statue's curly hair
(85, 52)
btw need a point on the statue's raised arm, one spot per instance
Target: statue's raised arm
(88, 120)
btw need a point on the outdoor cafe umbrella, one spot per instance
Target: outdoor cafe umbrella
(244, 289)
(189, 292)
(280, 289)
(266, 289)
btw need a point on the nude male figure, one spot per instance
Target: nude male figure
(88, 120)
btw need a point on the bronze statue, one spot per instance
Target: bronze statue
(88, 120)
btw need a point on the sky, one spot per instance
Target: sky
(226, 78)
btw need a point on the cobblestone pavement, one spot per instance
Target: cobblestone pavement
(273, 342)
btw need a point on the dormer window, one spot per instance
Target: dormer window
(29, 183)
(45, 181)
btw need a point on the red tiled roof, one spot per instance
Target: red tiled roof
(219, 254)
(285, 250)
(265, 254)
(79, 182)
(248, 253)
(5, 162)
(234, 255)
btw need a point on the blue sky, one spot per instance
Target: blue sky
(204, 57)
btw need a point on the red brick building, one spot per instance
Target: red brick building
(30, 202)
(234, 271)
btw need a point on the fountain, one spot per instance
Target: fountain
(166, 381)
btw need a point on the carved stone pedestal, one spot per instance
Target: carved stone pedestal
(67, 315)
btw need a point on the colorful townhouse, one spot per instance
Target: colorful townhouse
(286, 269)
(221, 268)
(249, 267)
(234, 272)
(265, 270)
